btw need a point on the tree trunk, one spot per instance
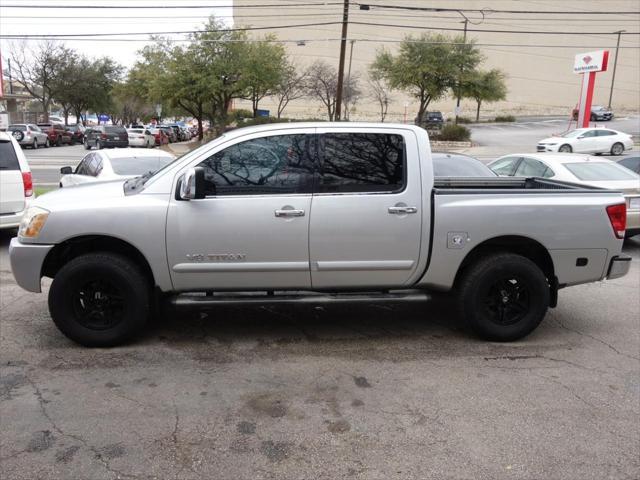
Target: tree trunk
(66, 116)
(478, 110)
(199, 118)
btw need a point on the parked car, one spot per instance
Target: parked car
(105, 136)
(171, 134)
(598, 112)
(632, 162)
(160, 136)
(459, 165)
(141, 137)
(56, 133)
(581, 169)
(431, 121)
(588, 140)
(117, 164)
(178, 131)
(77, 133)
(16, 183)
(29, 135)
(236, 215)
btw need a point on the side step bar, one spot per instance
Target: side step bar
(259, 298)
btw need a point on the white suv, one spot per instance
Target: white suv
(16, 183)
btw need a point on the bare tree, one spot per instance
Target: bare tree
(351, 93)
(322, 83)
(380, 92)
(38, 69)
(291, 87)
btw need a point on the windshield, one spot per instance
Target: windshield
(138, 165)
(459, 166)
(600, 171)
(573, 133)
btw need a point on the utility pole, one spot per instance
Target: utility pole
(615, 63)
(461, 69)
(349, 73)
(10, 77)
(343, 47)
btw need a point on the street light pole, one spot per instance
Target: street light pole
(461, 68)
(615, 63)
(343, 46)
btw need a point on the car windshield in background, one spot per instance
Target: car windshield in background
(573, 133)
(8, 158)
(138, 165)
(135, 130)
(459, 166)
(15, 128)
(599, 171)
(114, 129)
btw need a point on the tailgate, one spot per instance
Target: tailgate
(11, 191)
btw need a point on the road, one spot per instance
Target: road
(326, 392)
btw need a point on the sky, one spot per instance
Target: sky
(48, 18)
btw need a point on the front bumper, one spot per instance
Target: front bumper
(545, 147)
(26, 263)
(619, 267)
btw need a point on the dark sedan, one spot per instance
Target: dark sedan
(106, 136)
(598, 113)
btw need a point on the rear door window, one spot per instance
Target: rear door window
(605, 133)
(533, 168)
(599, 171)
(362, 162)
(505, 166)
(8, 157)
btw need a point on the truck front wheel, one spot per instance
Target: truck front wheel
(503, 297)
(100, 299)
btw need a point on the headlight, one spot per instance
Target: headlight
(32, 222)
(634, 203)
(551, 143)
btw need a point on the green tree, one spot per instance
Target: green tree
(484, 86)
(266, 64)
(426, 67)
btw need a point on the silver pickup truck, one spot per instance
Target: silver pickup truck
(314, 213)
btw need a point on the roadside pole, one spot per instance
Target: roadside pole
(461, 69)
(343, 47)
(615, 64)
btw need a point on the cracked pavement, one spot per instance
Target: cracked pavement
(361, 391)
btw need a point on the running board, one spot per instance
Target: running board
(254, 298)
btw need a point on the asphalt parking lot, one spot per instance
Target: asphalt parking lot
(315, 392)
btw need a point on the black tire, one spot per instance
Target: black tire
(58, 141)
(35, 144)
(98, 145)
(18, 135)
(617, 149)
(565, 148)
(100, 299)
(593, 117)
(87, 146)
(503, 297)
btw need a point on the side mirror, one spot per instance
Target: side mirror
(66, 170)
(580, 137)
(192, 184)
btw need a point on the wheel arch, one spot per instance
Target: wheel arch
(520, 245)
(76, 246)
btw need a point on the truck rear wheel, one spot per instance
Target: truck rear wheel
(100, 299)
(503, 297)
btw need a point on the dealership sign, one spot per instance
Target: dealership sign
(591, 62)
(587, 64)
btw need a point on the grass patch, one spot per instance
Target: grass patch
(505, 118)
(41, 190)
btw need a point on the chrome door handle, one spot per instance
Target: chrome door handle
(289, 213)
(402, 210)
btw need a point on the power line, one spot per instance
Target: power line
(160, 7)
(302, 25)
(491, 10)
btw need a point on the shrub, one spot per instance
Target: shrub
(464, 120)
(505, 118)
(453, 133)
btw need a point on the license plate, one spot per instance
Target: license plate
(116, 138)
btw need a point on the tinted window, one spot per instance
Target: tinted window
(632, 163)
(81, 169)
(599, 171)
(588, 134)
(15, 128)
(533, 168)
(605, 133)
(362, 162)
(8, 158)
(268, 165)
(93, 165)
(504, 166)
(445, 165)
(115, 130)
(138, 165)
